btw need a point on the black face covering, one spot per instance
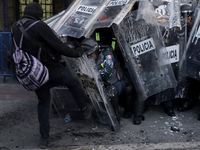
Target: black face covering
(33, 10)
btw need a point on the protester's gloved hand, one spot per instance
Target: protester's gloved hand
(73, 44)
(80, 51)
(70, 44)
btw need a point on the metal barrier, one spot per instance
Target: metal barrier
(5, 46)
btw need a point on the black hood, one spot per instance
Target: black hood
(34, 11)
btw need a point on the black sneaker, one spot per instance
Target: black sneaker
(87, 111)
(44, 142)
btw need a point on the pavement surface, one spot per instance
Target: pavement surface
(19, 127)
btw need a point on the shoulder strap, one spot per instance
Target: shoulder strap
(24, 33)
(21, 22)
(20, 44)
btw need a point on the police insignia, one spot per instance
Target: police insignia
(109, 56)
(109, 61)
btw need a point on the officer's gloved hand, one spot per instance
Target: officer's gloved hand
(111, 91)
(107, 68)
(80, 51)
(108, 64)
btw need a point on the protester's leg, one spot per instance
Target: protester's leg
(75, 88)
(43, 107)
(78, 93)
(62, 76)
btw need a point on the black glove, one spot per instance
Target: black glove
(111, 91)
(70, 44)
(108, 68)
(73, 44)
(80, 51)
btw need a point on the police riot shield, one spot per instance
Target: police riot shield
(84, 16)
(174, 37)
(167, 12)
(145, 55)
(192, 54)
(52, 20)
(85, 71)
(175, 48)
(81, 19)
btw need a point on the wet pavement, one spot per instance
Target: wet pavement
(19, 127)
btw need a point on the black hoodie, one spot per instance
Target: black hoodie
(33, 10)
(43, 33)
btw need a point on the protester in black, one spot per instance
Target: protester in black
(50, 56)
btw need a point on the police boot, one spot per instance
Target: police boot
(138, 112)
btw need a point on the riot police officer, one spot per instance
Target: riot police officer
(129, 98)
(108, 67)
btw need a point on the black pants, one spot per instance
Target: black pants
(59, 75)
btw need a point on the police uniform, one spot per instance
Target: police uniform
(110, 70)
(128, 99)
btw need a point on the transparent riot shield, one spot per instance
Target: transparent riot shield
(84, 70)
(174, 46)
(114, 13)
(52, 20)
(166, 12)
(84, 16)
(192, 54)
(144, 52)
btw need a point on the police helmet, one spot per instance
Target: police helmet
(89, 45)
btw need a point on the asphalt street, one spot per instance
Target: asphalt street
(19, 127)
